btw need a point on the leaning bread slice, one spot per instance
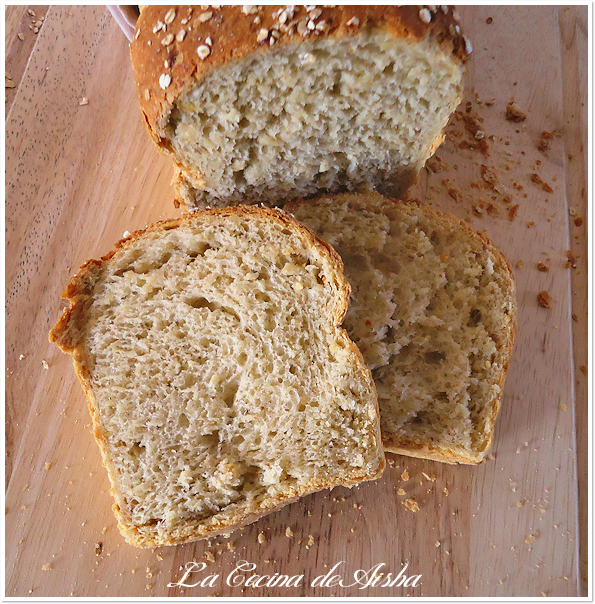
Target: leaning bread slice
(219, 381)
(269, 103)
(433, 312)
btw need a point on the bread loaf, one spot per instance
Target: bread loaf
(270, 103)
(433, 312)
(219, 381)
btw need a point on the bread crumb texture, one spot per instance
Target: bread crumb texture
(299, 99)
(219, 391)
(433, 312)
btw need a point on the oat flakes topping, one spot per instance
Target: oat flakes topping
(208, 41)
(204, 17)
(249, 9)
(181, 35)
(353, 21)
(170, 15)
(159, 25)
(263, 34)
(425, 15)
(164, 80)
(167, 40)
(203, 51)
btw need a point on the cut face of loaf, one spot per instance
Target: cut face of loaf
(364, 102)
(433, 312)
(220, 385)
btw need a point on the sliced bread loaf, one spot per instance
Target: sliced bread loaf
(220, 385)
(433, 312)
(269, 103)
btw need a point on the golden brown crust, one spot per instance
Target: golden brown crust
(424, 451)
(166, 63)
(66, 335)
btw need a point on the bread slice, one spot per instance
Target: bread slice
(220, 385)
(433, 311)
(271, 103)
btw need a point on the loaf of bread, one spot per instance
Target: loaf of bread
(433, 311)
(271, 103)
(220, 384)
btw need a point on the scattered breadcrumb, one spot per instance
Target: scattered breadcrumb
(541, 183)
(148, 586)
(46, 566)
(489, 21)
(45, 364)
(514, 114)
(401, 492)
(571, 263)
(288, 532)
(512, 212)
(411, 505)
(530, 539)
(104, 530)
(445, 491)
(544, 299)
(48, 465)
(21, 357)
(519, 264)
(310, 542)
(543, 267)
(544, 144)
(430, 478)
(405, 475)
(84, 101)
(436, 164)
(209, 556)
(261, 538)
(575, 317)
(98, 548)
(578, 221)
(437, 544)
(583, 368)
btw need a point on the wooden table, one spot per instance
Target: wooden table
(79, 175)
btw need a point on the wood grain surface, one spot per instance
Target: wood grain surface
(78, 176)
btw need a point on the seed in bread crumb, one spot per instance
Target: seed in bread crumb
(288, 532)
(261, 538)
(405, 475)
(411, 505)
(544, 299)
(543, 267)
(46, 566)
(514, 114)
(401, 492)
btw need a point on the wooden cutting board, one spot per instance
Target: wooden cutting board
(79, 175)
